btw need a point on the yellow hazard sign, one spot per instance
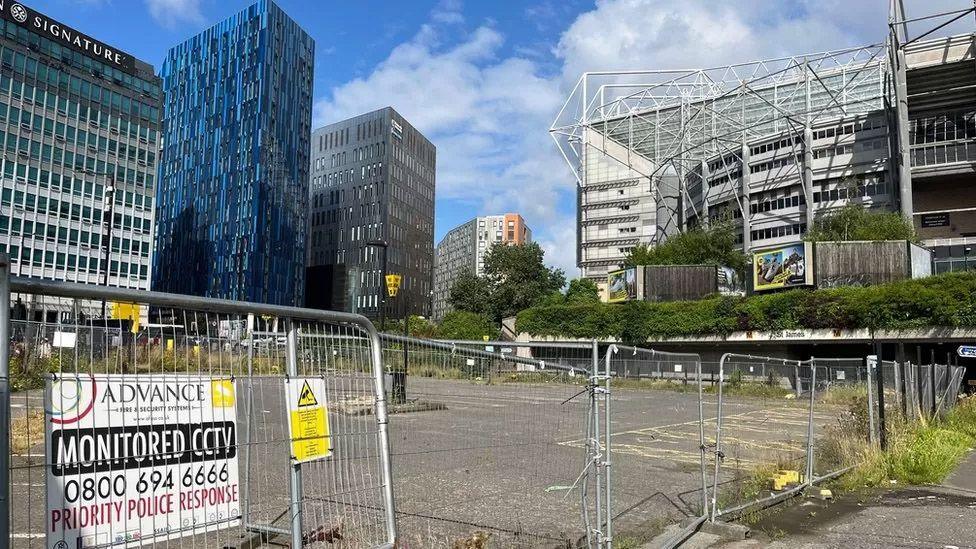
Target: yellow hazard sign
(308, 419)
(393, 284)
(307, 397)
(222, 393)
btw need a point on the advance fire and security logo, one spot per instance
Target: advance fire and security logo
(71, 399)
(18, 12)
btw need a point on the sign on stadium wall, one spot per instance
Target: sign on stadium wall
(132, 459)
(782, 267)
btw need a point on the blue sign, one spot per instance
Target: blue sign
(966, 351)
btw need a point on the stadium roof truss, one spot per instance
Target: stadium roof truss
(674, 122)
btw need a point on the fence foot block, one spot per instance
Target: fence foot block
(727, 530)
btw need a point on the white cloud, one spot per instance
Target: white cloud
(172, 13)
(488, 114)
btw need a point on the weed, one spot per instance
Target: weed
(26, 431)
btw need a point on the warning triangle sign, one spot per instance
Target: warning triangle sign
(306, 398)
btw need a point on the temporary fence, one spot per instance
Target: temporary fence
(930, 390)
(496, 440)
(659, 442)
(194, 423)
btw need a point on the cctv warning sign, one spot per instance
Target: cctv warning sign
(139, 459)
(308, 419)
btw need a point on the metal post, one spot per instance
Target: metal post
(110, 198)
(932, 381)
(881, 398)
(872, 434)
(245, 500)
(382, 420)
(718, 436)
(902, 383)
(796, 377)
(5, 398)
(383, 302)
(597, 444)
(607, 461)
(918, 373)
(399, 389)
(701, 439)
(296, 468)
(813, 392)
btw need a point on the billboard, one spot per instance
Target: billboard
(783, 267)
(622, 285)
(729, 281)
(138, 459)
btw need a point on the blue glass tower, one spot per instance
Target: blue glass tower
(233, 172)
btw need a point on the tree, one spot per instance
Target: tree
(515, 278)
(854, 222)
(471, 293)
(714, 245)
(582, 291)
(518, 278)
(466, 325)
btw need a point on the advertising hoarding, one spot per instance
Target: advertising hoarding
(139, 458)
(782, 267)
(622, 285)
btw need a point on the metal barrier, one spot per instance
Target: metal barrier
(498, 439)
(930, 390)
(797, 431)
(656, 443)
(198, 422)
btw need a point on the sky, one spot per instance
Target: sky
(484, 80)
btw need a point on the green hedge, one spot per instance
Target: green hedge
(947, 300)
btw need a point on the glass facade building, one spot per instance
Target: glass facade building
(372, 179)
(79, 131)
(233, 172)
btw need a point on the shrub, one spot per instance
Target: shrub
(947, 300)
(466, 325)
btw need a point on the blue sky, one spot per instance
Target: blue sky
(484, 80)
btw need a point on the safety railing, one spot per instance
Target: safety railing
(188, 421)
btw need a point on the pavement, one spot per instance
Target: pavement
(941, 516)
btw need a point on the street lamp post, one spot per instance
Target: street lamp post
(107, 238)
(382, 244)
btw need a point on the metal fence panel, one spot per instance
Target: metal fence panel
(492, 441)
(237, 359)
(657, 442)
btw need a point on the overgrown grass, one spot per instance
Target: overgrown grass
(921, 452)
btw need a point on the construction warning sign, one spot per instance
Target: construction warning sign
(139, 459)
(393, 284)
(308, 419)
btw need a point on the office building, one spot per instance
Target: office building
(771, 145)
(464, 247)
(233, 173)
(79, 128)
(372, 180)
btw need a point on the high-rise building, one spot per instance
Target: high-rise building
(888, 127)
(464, 247)
(233, 174)
(79, 127)
(372, 179)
